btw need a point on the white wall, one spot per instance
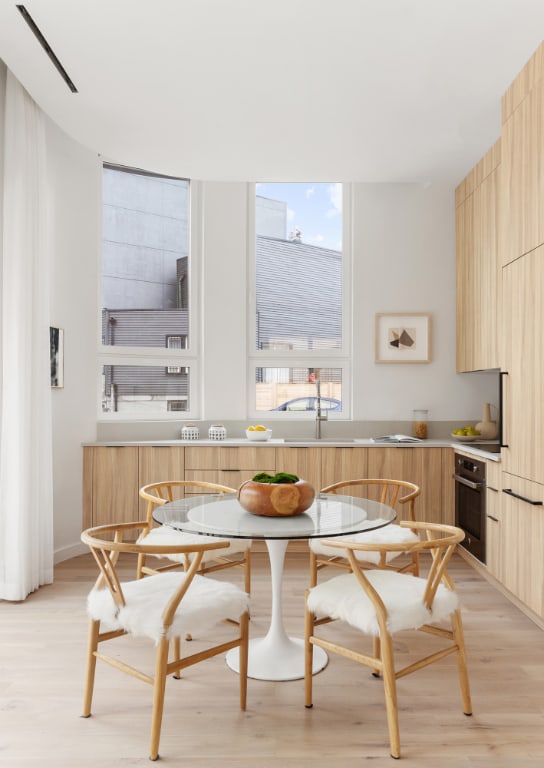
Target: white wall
(75, 178)
(403, 260)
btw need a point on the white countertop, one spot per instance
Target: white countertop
(305, 443)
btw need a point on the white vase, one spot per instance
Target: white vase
(488, 429)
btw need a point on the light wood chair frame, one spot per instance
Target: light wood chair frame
(389, 490)
(106, 553)
(159, 493)
(441, 541)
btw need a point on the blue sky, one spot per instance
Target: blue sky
(314, 208)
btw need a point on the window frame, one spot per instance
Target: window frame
(335, 358)
(188, 358)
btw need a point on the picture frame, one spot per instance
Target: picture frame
(403, 337)
(56, 354)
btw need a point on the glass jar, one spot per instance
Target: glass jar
(420, 423)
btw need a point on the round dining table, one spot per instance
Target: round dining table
(276, 656)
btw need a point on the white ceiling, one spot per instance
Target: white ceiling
(283, 90)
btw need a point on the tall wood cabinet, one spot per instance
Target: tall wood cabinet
(522, 227)
(477, 201)
(521, 512)
(523, 360)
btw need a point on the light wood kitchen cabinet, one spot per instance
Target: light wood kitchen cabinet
(113, 475)
(156, 463)
(343, 464)
(228, 465)
(522, 521)
(522, 228)
(423, 466)
(304, 462)
(477, 264)
(523, 360)
(110, 485)
(493, 519)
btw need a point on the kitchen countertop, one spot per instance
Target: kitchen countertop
(305, 443)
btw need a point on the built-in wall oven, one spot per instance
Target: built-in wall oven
(470, 503)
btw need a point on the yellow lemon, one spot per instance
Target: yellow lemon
(251, 429)
(260, 428)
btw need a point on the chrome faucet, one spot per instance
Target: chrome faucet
(319, 414)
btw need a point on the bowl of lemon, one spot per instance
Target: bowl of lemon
(258, 433)
(466, 434)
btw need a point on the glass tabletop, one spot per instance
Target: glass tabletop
(222, 515)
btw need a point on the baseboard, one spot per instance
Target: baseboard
(66, 553)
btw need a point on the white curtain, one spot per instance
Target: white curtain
(26, 485)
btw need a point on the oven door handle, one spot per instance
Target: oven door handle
(468, 483)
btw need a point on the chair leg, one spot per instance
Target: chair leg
(247, 581)
(313, 569)
(308, 658)
(243, 658)
(94, 630)
(390, 688)
(176, 652)
(376, 651)
(140, 565)
(161, 661)
(459, 638)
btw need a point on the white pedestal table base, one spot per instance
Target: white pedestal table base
(277, 656)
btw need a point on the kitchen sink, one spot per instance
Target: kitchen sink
(317, 440)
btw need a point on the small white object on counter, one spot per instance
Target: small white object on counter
(217, 432)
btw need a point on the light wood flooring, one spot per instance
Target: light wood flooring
(42, 649)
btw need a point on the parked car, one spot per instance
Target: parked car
(310, 404)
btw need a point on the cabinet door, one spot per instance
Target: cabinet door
(255, 458)
(343, 464)
(522, 141)
(304, 462)
(228, 465)
(114, 484)
(422, 466)
(522, 541)
(493, 519)
(464, 225)
(158, 463)
(487, 276)
(523, 359)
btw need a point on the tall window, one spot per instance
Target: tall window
(145, 314)
(300, 303)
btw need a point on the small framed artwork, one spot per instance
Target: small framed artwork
(56, 351)
(403, 337)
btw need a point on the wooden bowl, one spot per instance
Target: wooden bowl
(276, 499)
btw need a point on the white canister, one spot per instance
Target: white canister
(217, 432)
(190, 432)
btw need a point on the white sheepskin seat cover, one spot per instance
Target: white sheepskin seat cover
(206, 603)
(390, 534)
(343, 598)
(164, 535)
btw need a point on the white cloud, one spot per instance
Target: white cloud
(290, 214)
(335, 199)
(310, 192)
